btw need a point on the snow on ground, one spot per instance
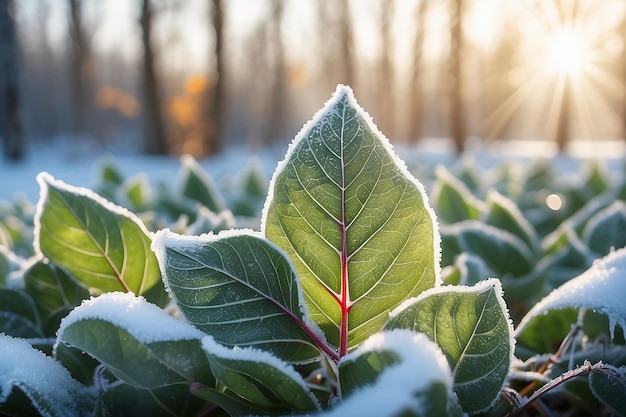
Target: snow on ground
(80, 167)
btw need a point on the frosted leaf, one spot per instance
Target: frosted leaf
(602, 288)
(145, 321)
(401, 389)
(44, 381)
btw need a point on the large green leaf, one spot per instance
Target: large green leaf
(48, 385)
(103, 245)
(396, 373)
(353, 220)
(137, 341)
(472, 327)
(259, 377)
(239, 288)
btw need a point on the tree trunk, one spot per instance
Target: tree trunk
(275, 125)
(154, 133)
(457, 118)
(417, 92)
(563, 122)
(12, 137)
(346, 58)
(82, 71)
(386, 82)
(216, 100)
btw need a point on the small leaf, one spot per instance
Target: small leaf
(606, 230)
(355, 223)
(452, 199)
(121, 399)
(137, 192)
(601, 288)
(103, 245)
(396, 373)
(18, 314)
(504, 214)
(110, 172)
(230, 402)
(472, 327)
(199, 186)
(259, 377)
(137, 341)
(9, 262)
(52, 287)
(239, 288)
(503, 252)
(610, 389)
(47, 384)
(468, 270)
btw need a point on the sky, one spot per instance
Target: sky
(569, 53)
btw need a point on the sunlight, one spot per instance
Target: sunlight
(567, 52)
(561, 80)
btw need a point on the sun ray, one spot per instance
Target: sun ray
(566, 50)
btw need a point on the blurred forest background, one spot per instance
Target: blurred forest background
(195, 76)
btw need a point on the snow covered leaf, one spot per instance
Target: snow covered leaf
(602, 288)
(48, 385)
(103, 245)
(355, 223)
(503, 252)
(197, 185)
(9, 262)
(452, 199)
(259, 378)
(137, 341)
(239, 288)
(396, 373)
(471, 326)
(18, 314)
(606, 230)
(52, 287)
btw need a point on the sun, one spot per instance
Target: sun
(567, 52)
(562, 80)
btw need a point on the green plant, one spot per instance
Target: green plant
(336, 306)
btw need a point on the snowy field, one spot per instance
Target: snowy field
(81, 168)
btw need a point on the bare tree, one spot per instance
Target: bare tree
(457, 117)
(335, 43)
(82, 70)
(567, 14)
(346, 59)
(275, 120)
(386, 82)
(417, 93)
(154, 133)
(217, 98)
(9, 85)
